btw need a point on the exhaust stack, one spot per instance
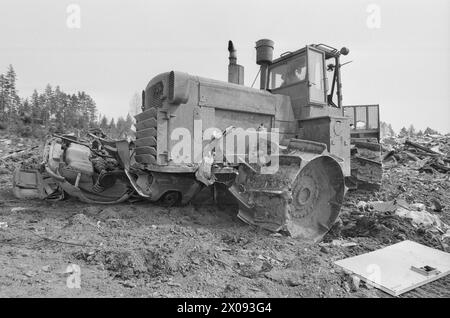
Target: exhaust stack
(235, 71)
(264, 57)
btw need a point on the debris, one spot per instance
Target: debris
(17, 152)
(361, 205)
(420, 217)
(46, 268)
(128, 284)
(293, 282)
(30, 274)
(355, 282)
(418, 146)
(389, 269)
(18, 209)
(276, 234)
(418, 206)
(3, 225)
(343, 243)
(381, 206)
(436, 205)
(346, 287)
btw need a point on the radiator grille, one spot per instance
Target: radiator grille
(156, 93)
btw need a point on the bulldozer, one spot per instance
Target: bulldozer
(281, 153)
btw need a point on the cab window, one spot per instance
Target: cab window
(316, 77)
(290, 72)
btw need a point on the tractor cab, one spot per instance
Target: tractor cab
(310, 76)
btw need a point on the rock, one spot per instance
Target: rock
(436, 205)
(46, 268)
(346, 287)
(30, 273)
(293, 282)
(128, 284)
(418, 206)
(3, 225)
(355, 282)
(324, 250)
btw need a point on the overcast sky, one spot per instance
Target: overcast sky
(400, 49)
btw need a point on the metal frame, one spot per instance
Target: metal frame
(325, 103)
(366, 129)
(284, 59)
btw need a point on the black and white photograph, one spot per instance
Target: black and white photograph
(221, 155)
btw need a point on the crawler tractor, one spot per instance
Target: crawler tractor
(280, 153)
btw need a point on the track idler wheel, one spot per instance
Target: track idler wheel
(303, 198)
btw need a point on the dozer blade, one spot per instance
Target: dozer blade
(366, 165)
(303, 198)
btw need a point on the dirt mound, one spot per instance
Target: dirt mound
(124, 264)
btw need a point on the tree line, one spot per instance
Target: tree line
(53, 111)
(386, 130)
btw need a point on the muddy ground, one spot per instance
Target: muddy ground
(143, 250)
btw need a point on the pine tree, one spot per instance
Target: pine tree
(411, 131)
(112, 126)
(129, 124)
(3, 100)
(121, 127)
(391, 131)
(104, 124)
(35, 107)
(403, 132)
(13, 100)
(48, 105)
(430, 131)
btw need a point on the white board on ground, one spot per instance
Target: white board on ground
(389, 268)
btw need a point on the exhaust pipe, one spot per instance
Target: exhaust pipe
(235, 71)
(264, 57)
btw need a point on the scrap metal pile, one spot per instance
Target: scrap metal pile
(413, 201)
(88, 168)
(430, 153)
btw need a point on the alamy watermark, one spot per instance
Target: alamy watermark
(234, 146)
(374, 18)
(74, 278)
(73, 20)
